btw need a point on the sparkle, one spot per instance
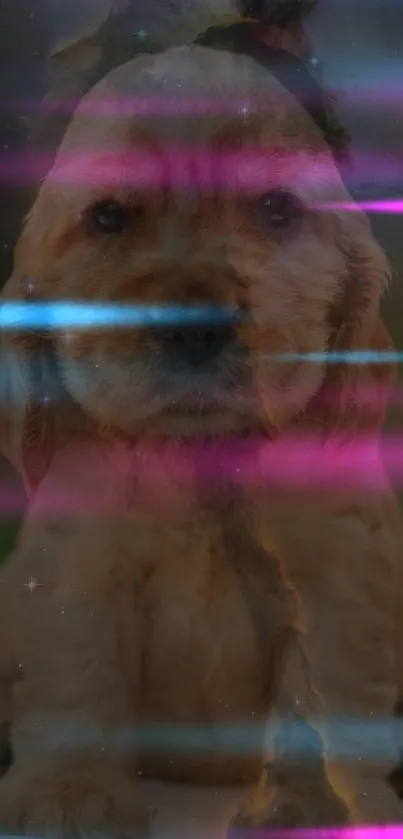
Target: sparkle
(244, 111)
(314, 61)
(32, 585)
(29, 287)
(46, 400)
(141, 34)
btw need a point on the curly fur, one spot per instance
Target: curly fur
(167, 600)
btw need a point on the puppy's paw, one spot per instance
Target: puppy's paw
(278, 804)
(71, 800)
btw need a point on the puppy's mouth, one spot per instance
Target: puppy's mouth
(206, 414)
(206, 396)
(194, 404)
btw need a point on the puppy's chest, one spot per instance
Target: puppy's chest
(212, 603)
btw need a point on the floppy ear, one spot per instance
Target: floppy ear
(31, 391)
(28, 391)
(29, 428)
(356, 389)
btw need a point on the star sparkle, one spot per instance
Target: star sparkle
(28, 287)
(32, 585)
(47, 400)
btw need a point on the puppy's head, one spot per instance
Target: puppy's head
(189, 197)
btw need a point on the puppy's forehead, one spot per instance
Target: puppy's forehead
(188, 88)
(188, 99)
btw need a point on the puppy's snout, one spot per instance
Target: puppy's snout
(195, 345)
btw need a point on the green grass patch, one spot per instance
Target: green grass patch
(8, 534)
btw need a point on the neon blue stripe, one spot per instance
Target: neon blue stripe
(70, 315)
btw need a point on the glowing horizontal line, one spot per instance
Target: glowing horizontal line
(76, 316)
(392, 207)
(344, 357)
(58, 315)
(384, 831)
(193, 167)
(296, 464)
(383, 92)
(284, 464)
(377, 832)
(347, 738)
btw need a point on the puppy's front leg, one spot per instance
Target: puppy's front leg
(347, 578)
(73, 771)
(339, 676)
(294, 789)
(291, 792)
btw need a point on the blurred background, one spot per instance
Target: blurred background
(358, 54)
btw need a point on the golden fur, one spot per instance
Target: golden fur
(165, 599)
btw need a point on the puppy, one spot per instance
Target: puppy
(160, 577)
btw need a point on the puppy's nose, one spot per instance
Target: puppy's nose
(195, 345)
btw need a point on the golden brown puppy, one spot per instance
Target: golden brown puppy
(150, 586)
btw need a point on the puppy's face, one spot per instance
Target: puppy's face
(208, 210)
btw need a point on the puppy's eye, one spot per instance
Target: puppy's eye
(279, 209)
(110, 217)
